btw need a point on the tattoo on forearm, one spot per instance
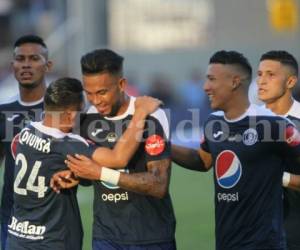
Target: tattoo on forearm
(154, 182)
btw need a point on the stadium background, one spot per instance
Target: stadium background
(166, 44)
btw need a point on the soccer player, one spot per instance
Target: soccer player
(277, 75)
(30, 65)
(136, 212)
(42, 219)
(247, 146)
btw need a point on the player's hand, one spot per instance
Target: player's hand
(83, 167)
(147, 104)
(63, 180)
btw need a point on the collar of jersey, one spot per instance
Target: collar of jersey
(129, 111)
(241, 117)
(294, 110)
(30, 103)
(54, 132)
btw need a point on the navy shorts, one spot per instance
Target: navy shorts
(109, 245)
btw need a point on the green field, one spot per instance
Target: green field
(192, 195)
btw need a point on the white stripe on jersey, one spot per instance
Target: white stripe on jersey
(253, 110)
(294, 110)
(92, 110)
(30, 103)
(56, 133)
(18, 98)
(10, 100)
(161, 116)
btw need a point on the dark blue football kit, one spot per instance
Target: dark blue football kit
(249, 157)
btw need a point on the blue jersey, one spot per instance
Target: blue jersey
(13, 117)
(291, 197)
(42, 219)
(122, 216)
(249, 156)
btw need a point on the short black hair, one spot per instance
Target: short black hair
(29, 39)
(283, 57)
(233, 58)
(64, 93)
(102, 61)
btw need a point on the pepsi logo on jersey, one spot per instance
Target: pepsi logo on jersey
(228, 171)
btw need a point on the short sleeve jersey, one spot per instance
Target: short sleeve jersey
(291, 197)
(42, 218)
(14, 116)
(249, 156)
(120, 215)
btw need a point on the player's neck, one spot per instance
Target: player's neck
(124, 103)
(237, 107)
(34, 94)
(282, 105)
(54, 121)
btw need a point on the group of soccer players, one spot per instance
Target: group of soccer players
(129, 204)
(122, 148)
(251, 148)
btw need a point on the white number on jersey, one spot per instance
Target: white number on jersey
(40, 189)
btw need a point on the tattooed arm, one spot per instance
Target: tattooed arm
(154, 182)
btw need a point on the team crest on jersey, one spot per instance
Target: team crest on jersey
(111, 186)
(112, 137)
(250, 137)
(228, 169)
(154, 145)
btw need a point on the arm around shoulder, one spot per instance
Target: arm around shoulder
(192, 159)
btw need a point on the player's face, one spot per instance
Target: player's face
(218, 85)
(105, 92)
(272, 80)
(30, 64)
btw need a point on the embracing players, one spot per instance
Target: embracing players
(42, 219)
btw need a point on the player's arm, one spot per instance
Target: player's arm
(119, 156)
(63, 180)
(197, 160)
(154, 182)
(291, 181)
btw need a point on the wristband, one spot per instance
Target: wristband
(286, 179)
(110, 176)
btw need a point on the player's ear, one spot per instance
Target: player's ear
(49, 66)
(291, 82)
(12, 65)
(236, 81)
(122, 84)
